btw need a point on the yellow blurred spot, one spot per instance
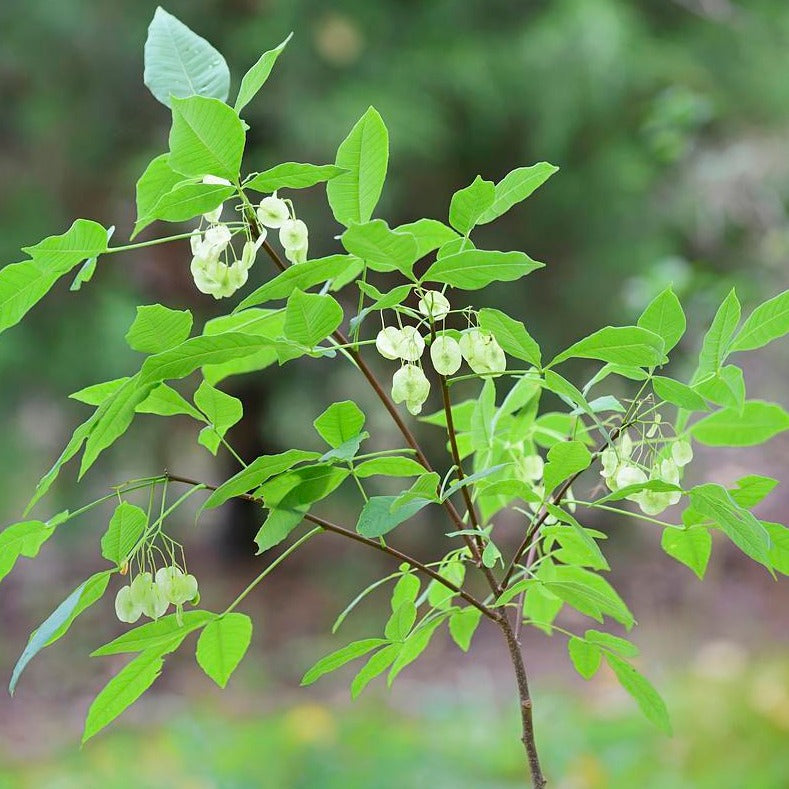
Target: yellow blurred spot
(586, 772)
(311, 723)
(338, 40)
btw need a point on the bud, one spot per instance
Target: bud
(296, 256)
(212, 217)
(215, 180)
(388, 342)
(175, 586)
(445, 355)
(250, 250)
(629, 475)
(652, 502)
(272, 211)
(155, 603)
(293, 234)
(412, 346)
(410, 385)
(140, 587)
(682, 452)
(531, 467)
(215, 241)
(126, 609)
(434, 305)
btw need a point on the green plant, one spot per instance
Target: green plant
(641, 443)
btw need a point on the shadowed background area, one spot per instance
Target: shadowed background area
(669, 123)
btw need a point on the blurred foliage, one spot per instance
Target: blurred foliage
(591, 741)
(667, 119)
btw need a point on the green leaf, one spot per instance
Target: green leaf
(180, 63)
(716, 341)
(303, 276)
(96, 394)
(346, 451)
(122, 691)
(92, 591)
(381, 248)
(740, 526)
(267, 324)
(406, 590)
(401, 621)
(576, 541)
(756, 423)
(596, 590)
(165, 633)
(339, 423)
(21, 539)
(678, 394)
(165, 401)
(726, 387)
(157, 328)
(564, 461)
(690, 546)
(311, 317)
(75, 443)
(469, 204)
(339, 658)
(586, 657)
(206, 138)
(516, 186)
(477, 268)
(222, 644)
(157, 180)
(439, 595)
(647, 698)
(276, 528)
(376, 665)
(256, 473)
(256, 77)
(541, 607)
(364, 153)
(463, 624)
(766, 323)
(620, 645)
(222, 411)
(292, 175)
(511, 335)
(113, 418)
(664, 316)
(127, 525)
(430, 234)
(377, 518)
(185, 201)
(196, 352)
(627, 345)
(59, 254)
(389, 467)
(23, 285)
(779, 546)
(56, 624)
(302, 486)
(412, 648)
(751, 489)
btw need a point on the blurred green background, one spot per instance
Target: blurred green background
(669, 122)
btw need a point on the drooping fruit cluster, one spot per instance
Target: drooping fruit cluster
(627, 463)
(152, 596)
(276, 213)
(410, 384)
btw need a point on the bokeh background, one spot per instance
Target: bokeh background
(669, 121)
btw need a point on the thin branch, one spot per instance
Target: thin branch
(387, 402)
(352, 535)
(555, 500)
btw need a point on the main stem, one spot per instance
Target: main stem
(516, 656)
